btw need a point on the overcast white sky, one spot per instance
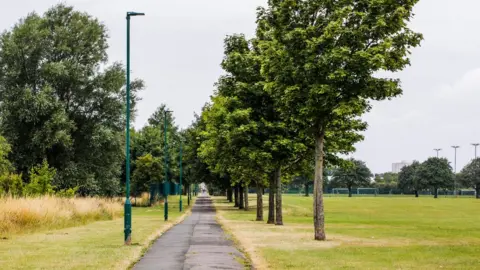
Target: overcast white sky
(178, 46)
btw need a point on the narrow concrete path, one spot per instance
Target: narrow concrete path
(197, 243)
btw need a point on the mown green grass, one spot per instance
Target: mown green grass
(366, 233)
(98, 245)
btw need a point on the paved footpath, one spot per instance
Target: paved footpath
(196, 243)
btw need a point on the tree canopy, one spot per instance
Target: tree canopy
(409, 180)
(436, 173)
(62, 100)
(470, 176)
(319, 60)
(355, 174)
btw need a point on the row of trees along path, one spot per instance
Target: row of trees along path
(292, 96)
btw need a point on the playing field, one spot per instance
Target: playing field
(363, 233)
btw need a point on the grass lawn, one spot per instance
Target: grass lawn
(98, 245)
(363, 233)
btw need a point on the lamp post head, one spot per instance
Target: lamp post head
(131, 13)
(475, 144)
(455, 146)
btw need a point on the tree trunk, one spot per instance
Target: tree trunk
(240, 194)
(235, 191)
(435, 191)
(259, 202)
(245, 199)
(306, 190)
(229, 194)
(318, 211)
(416, 193)
(349, 192)
(271, 200)
(278, 197)
(477, 190)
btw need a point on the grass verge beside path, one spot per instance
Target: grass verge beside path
(28, 215)
(363, 233)
(98, 245)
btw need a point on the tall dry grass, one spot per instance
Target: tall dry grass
(141, 201)
(22, 215)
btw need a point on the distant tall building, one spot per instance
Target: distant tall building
(396, 167)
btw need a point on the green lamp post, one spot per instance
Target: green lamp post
(166, 189)
(188, 194)
(128, 204)
(181, 174)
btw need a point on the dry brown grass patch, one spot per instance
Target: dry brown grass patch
(253, 236)
(19, 215)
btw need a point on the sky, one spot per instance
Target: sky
(178, 46)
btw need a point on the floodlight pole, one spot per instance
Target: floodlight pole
(475, 145)
(128, 205)
(438, 150)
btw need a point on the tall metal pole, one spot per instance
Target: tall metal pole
(165, 184)
(475, 145)
(455, 170)
(438, 150)
(128, 205)
(181, 174)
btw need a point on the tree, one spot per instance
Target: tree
(149, 170)
(356, 174)
(11, 184)
(436, 173)
(320, 62)
(408, 179)
(244, 135)
(41, 178)
(470, 176)
(195, 170)
(386, 180)
(62, 101)
(5, 149)
(302, 181)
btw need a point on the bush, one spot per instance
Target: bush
(5, 149)
(41, 177)
(67, 193)
(11, 184)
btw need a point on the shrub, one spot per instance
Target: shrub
(67, 193)
(5, 149)
(41, 177)
(11, 184)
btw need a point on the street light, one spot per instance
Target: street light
(475, 145)
(454, 179)
(128, 205)
(438, 150)
(165, 184)
(181, 174)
